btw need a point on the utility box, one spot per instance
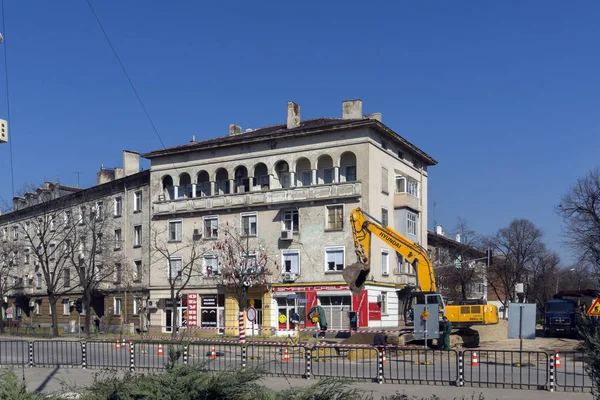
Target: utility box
(427, 321)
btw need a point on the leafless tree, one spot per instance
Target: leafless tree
(91, 250)
(243, 264)
(580, 210)
(541, 283)
(8, 271)
(182, 257)
(517, 247)
(457, 262)
(48, 237)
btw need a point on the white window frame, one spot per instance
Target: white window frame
(327, 207)
(242, 228)
(285, 218)
(81, 217)
(68, 216)
(385, 262)
(138, 201)
(334, 248)
(179, 275)
(383, 306)
(118, 206)
(411, 224)
(210, 217)
(117, 301)
(413, 188)
(385, 221)
(138, 270)
(118, 239)
(137, 305)
(285, 253)
(178, 233)
(137, 236)
(205, 265)
(99, 210)
(38, 307)
(400, 188)
(66, 307)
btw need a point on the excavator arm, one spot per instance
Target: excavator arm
(363, 226)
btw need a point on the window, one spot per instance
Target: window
(400, 184)
(291, 261)
(53, 223)
(334, 259)
(250, 262)
(66, 307)
(26, 255)
(137, 270)
(137, 236)
(291, 220)
(306, 177)
(118, 305)
(249, 224)
(411, 223)
(328, 175)
(38, 307)
(118, 207)
(82, 215)
(15, 233)
(137, 305)
(384, 217)
(99, 210)
(68, 218)
(38, 281)
(137, 201)
(407, 185)
(400, 263)
(400, 154)
(351, 173)
(385, 262)
(334, 217)
(211, 265)
(211, 227)
(118, 273)
(4, 234)
(175, 265)
(384, 180)
(67, 277)
(383, 305)
(118, 239)
(175, 230)
(52, 251)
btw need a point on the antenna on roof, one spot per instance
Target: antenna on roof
(193, 138)
(77, 173)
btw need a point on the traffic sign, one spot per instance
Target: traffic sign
(9, 313)
(594, 310)
(251, 314)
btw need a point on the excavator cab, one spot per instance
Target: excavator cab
(409, 300)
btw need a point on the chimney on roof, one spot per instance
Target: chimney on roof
(293, 117)
(438, 230)
(458, 237)
(131, 162)
(375, 116)
(234, 129)
(352, 109)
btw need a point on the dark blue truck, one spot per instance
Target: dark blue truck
(560, 317)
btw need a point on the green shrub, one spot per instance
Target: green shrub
(12, 388)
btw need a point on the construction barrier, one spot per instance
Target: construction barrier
(570, 373)
(107, 355)
(46, 353)
(14, 352)
(420, 366)
(356, 362)
(272, 359)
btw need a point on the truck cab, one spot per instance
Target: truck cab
(560, 317)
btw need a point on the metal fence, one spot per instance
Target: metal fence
(478, 368)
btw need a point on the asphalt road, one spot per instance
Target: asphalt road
(495, 369)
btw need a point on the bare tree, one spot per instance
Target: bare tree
(542, 278)
(91, 246)
(182, 257)
(580, 210)
(8, 269)
(457, 262)
(517, 247)
(243, 264)
(48, 235)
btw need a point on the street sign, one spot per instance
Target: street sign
(302, 301)
(251, 314)
(427, 322)
(594, 310)
(9, 313)
(521, 321)
(292, 296)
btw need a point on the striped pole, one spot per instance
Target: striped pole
(241, 326)
(551, 375)
(131, 356)
(243, 356)
(185, 354)
(308, 363)
(31, 354)
(461, 375)
(380, 363)
(83, 358)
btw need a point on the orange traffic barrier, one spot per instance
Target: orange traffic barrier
(213, 355)
(557, 361)
(130, 346)
(383, 356)
(474, 361)
(286, 355)
(118, 345)
(160, 351)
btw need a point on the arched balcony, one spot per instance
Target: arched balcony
(304, 175)
(261, 177)
(222, 182)
(282, 170)
(325, 171)
(167, 187)
(185, 186)
(203, 184)
(242, 182)
(347, 170)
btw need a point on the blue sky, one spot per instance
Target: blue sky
(503, 94)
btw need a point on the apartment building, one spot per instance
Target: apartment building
(119, 206)
(290, 188)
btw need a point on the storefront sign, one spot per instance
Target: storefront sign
(292, 296)
(192, 300)
(308, 288)
(209, 300)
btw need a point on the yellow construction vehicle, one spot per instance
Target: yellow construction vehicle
(463, 316)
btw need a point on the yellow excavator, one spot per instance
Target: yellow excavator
(462, 316)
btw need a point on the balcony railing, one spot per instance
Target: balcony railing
(406, 200)
(274, 196)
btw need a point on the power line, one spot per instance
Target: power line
(10, 149)
(125, 72)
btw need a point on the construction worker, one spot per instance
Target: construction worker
(445, 333)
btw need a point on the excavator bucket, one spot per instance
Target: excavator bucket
(355, 276)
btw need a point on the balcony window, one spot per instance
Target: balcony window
(306, 178)
(328, 175)
(350, 173)
(407, 185)
(334, 259)
(411, 223)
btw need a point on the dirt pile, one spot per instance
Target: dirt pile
(492, 333)
(360, 338)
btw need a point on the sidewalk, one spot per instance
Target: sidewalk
(62, 379)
